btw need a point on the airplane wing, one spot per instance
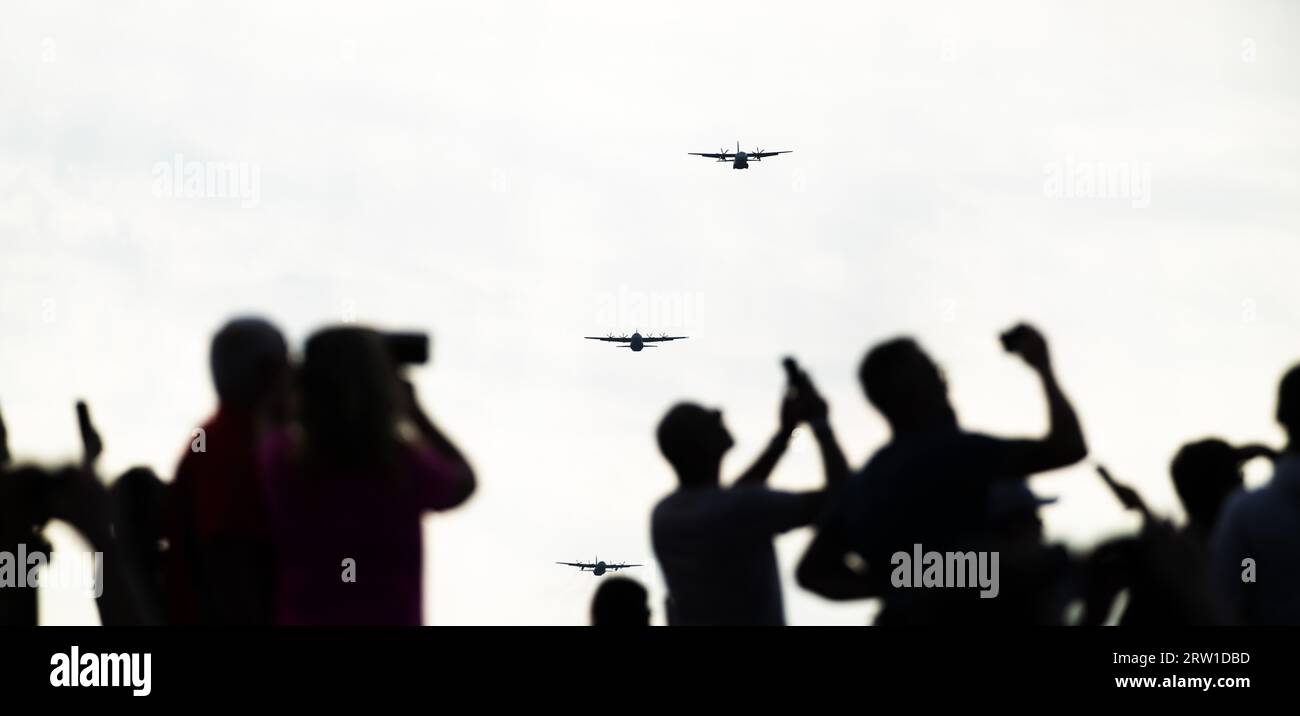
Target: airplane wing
(723, 155)
(663, 338)
(576, 564)
(761, 155)
(615, 339)
(620, 566)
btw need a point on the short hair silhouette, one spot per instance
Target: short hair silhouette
(689, 435)
(137, 498)
(248, 356)
(349, 398)
(1288, 403)
(620, 601)
(1205, 472)
(903, 382)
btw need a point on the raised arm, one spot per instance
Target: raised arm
(466, 482)
(82, 501)
(1064, 443)
(762, 467)
(813, 408)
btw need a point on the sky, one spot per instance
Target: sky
(512, 177)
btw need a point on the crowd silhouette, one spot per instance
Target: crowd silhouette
(299, 502)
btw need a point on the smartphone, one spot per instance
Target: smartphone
(89, 438)
(793, 375)
(1125, 494)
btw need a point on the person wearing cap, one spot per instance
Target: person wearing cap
(1205, 474)
(1037, 577)
(1256, 543)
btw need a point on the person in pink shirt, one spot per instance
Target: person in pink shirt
(345, 491)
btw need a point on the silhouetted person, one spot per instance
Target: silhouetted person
(1036, 580)
(137, 497)
(1263, 526)
(218, 566)
(347, 492)
(620, 601)
(1205, 474)
(930, 485)
(22, 517)
(30, 497)
(1165, 571)
(714, 543)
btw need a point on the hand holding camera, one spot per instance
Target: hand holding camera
(802, 401)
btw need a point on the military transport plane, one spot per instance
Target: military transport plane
(637, 341)
(739, 160)
(598, 567)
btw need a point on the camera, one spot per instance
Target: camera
(408, 348)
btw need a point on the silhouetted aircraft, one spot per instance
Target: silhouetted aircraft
(598, 567)
(739, 160)
(636, 341)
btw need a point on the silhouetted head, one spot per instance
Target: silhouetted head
(249, 360)
(693, 439)
(138, 496)
(1013, 511)
(349, 398)
(1288, 405)
(1205, 473)
(620, 602)
(906, 386)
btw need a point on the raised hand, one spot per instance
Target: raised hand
(1025, 341)
(808, 404)
(91, 445)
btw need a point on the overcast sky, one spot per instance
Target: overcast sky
(513, 176)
